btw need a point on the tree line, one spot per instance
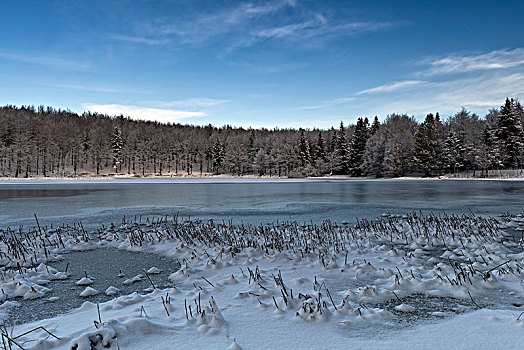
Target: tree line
(44, 141)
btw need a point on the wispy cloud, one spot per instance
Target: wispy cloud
(143, 113)
(478, 94)
(312, 33)
(46, 61)
(268, 68)
(320, 26)
(248, 24)
(245, 12)
(392, 87)
(194, 102)
(498, 59)
(140, 40)
(108, 90)
(330, 103)
(208, 26)
(292, 29)
(446, 88)
(475, 81)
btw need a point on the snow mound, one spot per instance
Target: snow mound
(88, 292)
(112, 291)
(34, 293)
(137, 278)
(84, 282)
(113, 333)
(154, 271)
(405, 308)
(235, 346)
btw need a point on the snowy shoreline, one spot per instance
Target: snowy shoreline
(228, 179)
(429, 282)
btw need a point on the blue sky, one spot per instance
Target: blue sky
(275, 63)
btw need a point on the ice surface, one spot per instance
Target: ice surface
(253, 201)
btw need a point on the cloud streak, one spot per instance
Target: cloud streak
(476, 81)
(319, 27)
(331, 103)
(392, 87)
(194, 102)
(140, 40)
(46, 61)
(498, 59)
(478, 93)
(312, 33)
(143, 113)
(248, 24)
(447, 87)
(92, 88)
(209, 26)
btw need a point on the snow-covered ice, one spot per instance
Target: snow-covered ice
(417, 282)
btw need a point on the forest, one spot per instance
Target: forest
(44, 141)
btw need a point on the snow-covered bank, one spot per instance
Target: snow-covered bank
(151, 179)
(481, 329)
(431, 282)
(224, 178)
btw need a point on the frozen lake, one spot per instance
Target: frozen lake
(253, 200)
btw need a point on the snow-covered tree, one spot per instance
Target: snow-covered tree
(399, 144)
(217, 155)
(358, 146)
(303, 149)
(320, 151)
(261, 162)
(510, 134)
(428, 148)
(374, 127)
(116, 143)
(340, 152)
(451, 153)
(47, 141)
(373, 160)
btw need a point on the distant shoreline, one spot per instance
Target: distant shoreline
(237, 179)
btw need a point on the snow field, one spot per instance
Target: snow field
(415, 281)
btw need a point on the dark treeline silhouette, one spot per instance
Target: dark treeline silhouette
(48, 142)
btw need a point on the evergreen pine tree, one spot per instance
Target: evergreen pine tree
(358, 147)
(320, 148)
(340, 152)
(451, 153)
(510, 134)
(468, 152)
(490, 149)
(374, 127)
(303, 149)
(373, 161)
(428, 148)
(520, 112)
(436, 138)
(217, 155)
